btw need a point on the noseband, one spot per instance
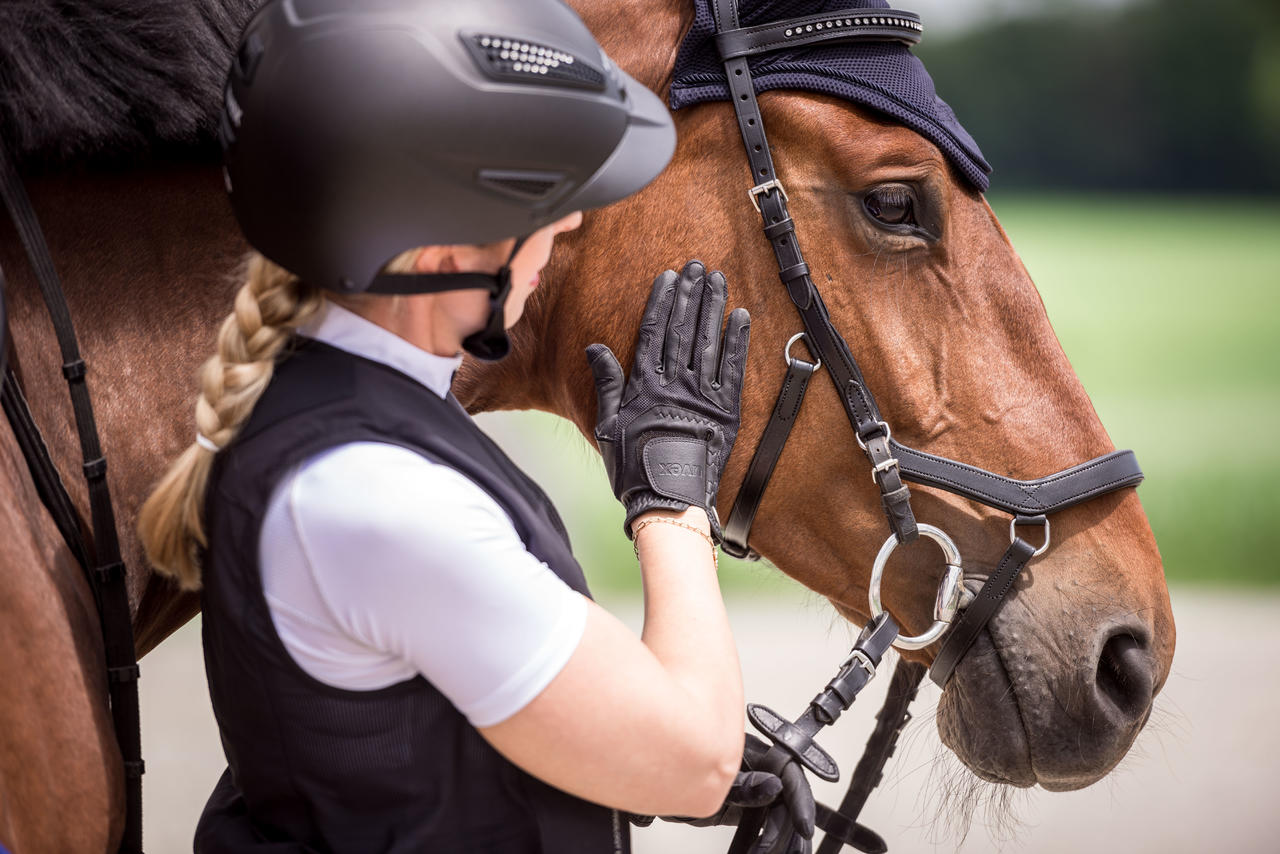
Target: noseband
(959, 614)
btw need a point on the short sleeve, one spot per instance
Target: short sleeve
(414, 560)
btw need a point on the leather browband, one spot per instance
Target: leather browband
(874, 25)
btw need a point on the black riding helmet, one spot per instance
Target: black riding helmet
(355, 130)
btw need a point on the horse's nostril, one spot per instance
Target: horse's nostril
(1125, 675)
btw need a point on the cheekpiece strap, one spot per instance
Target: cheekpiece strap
(770, 198)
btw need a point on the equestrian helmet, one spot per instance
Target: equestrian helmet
(354, 130)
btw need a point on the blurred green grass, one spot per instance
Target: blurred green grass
(1169, 308)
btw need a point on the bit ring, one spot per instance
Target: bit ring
(951, 591)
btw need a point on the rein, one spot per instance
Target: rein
(102, 565)
(959, 614)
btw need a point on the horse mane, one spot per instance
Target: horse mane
(111, 79)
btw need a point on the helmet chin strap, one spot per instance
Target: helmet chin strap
(490, 343)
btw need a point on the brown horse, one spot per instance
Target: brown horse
(952, 336)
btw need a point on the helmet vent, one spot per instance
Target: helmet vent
(506, 58)
(530, 186)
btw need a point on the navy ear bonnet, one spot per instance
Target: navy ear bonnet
(884, 76)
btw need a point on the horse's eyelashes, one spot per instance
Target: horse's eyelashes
(892, 204)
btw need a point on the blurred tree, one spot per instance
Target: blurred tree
(1159, 95)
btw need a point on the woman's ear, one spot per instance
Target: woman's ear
(435, 259)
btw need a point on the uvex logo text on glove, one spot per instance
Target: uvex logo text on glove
(679, 470)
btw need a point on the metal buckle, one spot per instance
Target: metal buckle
(878, 468)
(1030, 520)
(951, 598)
(857, 656)
(760, 189)
(884, 425)
(793, 339)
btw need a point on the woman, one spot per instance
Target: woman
(401, 650)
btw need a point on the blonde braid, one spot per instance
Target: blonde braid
(268, 307)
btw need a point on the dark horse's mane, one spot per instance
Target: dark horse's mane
(94, 79)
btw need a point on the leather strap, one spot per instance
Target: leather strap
(1049, 494)
(980, 610)
(826, 707)
(48, 482)
(841, 825)
(108, 578)
(840, 830)
(848, 25)
(774, 439)
(823, 339)
(793, 742)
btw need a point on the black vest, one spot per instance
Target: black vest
(317, 768)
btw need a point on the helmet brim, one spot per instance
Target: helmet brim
(643, 153)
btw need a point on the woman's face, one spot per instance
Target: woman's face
(440, 322)
(528, 263)
(470, 309)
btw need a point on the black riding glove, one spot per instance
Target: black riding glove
(788, 827)
(666, 434)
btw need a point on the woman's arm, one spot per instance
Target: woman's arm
(413, 566)
(650, 725)
(655, 725)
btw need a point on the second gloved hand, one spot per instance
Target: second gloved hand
(666, 433)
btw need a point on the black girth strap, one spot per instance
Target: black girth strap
(108, 577)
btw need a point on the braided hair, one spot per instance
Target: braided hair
(270, 305)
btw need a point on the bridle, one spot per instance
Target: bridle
(959, 614)
(99, 553)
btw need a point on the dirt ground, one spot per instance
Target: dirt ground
(1202, 777)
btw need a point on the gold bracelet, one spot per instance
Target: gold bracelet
(667, 520)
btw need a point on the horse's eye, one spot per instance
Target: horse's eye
(891, 205)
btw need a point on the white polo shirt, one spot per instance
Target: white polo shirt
(378, 564)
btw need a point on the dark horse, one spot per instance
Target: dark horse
(109, 105)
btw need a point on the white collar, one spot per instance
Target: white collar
(346, 330)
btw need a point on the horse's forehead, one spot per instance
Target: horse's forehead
(850, 135)
(882, 76)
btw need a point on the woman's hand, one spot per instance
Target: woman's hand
(667, 432)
